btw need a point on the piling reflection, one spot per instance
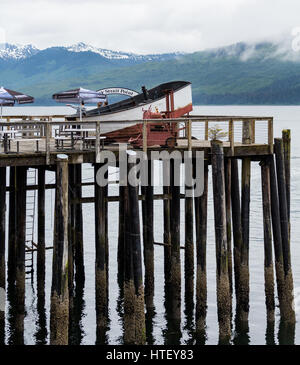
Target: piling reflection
(15, 318)
(41, 322)
(76, 332)
(189, 326)
(270, 333)
(286, 333)
(241, 334)
(150, 315)
(172, 333)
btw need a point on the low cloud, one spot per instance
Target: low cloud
(146, 26)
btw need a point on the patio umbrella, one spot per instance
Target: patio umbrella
(78, 96)
(10, 97)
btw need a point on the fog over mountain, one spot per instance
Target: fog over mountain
(266, 72)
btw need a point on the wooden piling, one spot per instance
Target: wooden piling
(2, 226)
(12, 227)
(21, 180)
(167, 238)
(268, 262)
(147, 209)
(223, 288)
(201, 242)
(189, 252)
(41, 232)
(175, 284)
(284, 221)
(100, 247)
(79, 253)
(2, 251)
(245, 214)
(236, 226)
(59, 316)
(227, 171)
(285, 310)
(134, 315)
(121, 237)
(71, 232)
(286, 139)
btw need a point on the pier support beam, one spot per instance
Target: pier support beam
(245, 214)
(223, 289)
(227, 171)
(189, 253)
(59, 316)
(167, 238)
(134, 315)
(121, 238)
(79, 255)
(175, 284)
(100, 269)
(269, 269)
(284, 221)
(41, 232)
(285, 309)
(2, 251)
(201, 242)
(147, 209)
(2, 226)
(237, 227)
(21, 180)
(12, 227)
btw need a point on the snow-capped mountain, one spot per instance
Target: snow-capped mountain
(16, 51)
(19, 52)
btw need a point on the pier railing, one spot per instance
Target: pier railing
(46, 134)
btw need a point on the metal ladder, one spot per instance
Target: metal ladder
(30, 246)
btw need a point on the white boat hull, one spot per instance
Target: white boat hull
(125, 118)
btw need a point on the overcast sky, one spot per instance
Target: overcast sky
(145, 26)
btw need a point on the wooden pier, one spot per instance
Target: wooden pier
(52, 143)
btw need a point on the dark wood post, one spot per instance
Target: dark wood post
(59, 316)
(41, 232)
(245, 213)
(284, 220)
(134, 315)
(100, 238)
(79, 254)
(2, 252)
(223, 289)
(175, 285)
(121, 237)
(71, 232)
(189, 252)
(21, 180)
(286, 139)
(201, 242)
(2, 226)
(167, 238)
(236, 225)
(147, 208)
(227, 172)
(12, 227)
(277, 241)
(269, 269)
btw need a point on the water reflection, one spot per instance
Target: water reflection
(172, 333)
(270, 333)
(241, 334)
(286, 333)
(76, 332)
(189, 326)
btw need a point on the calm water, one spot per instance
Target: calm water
(284, 117)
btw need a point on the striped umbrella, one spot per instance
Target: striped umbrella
(10, 97)
(80, 96)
